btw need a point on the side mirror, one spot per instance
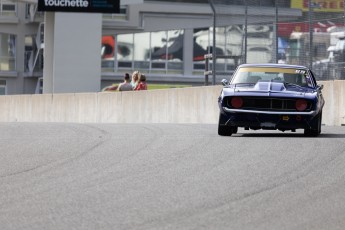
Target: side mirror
(225, 82)
(320, 86)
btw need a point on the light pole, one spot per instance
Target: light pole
(310, 14)
(245, 31)
(214, 44)
(276, 32)
(311, 6)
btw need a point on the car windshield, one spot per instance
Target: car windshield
(251, 75)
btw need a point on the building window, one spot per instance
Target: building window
(229, 43)
(225, 2)
(39, 86)
(175, 51)
(125, 50)
(2, 87)
(142, 51)
(31, 12)
(7, 8)
(150, 52)
(33, 55)
(167, 51)
(179, 1)
(107, 51)
(120, 16)
(29, 55)
(158, 50)
(7, 52)
(201, 44)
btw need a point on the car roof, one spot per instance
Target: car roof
(273, 65)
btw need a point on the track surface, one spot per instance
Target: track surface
(165, 176)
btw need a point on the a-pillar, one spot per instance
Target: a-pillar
(72, 52)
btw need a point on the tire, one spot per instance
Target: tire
(224, 130)
(315, 129)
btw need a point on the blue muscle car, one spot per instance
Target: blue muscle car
(271, 96)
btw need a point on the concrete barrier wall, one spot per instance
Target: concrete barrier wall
(334, 110)
(179, 105)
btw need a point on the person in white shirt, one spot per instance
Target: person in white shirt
(125, 85)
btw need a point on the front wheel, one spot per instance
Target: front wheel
(315, 128)
(224, 130)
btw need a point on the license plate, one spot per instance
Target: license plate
(268, 124)
(286, 118)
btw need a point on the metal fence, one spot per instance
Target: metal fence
(301, 32)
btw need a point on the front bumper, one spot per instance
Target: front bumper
(256, 119)
(226, 109)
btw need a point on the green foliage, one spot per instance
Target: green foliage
(165, 86)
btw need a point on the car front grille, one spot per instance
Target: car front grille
(268, 104)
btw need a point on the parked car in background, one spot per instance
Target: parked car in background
(273, 97)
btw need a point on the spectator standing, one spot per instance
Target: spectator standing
(125, 85)
(142, 85)
(135, 79)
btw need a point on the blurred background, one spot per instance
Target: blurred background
(167, 40)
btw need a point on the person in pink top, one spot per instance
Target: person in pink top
(142, 85)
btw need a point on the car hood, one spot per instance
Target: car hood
(269, 88)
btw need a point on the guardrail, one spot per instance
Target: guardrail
(179, 105)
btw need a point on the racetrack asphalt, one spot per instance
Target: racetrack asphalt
(169, 176)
